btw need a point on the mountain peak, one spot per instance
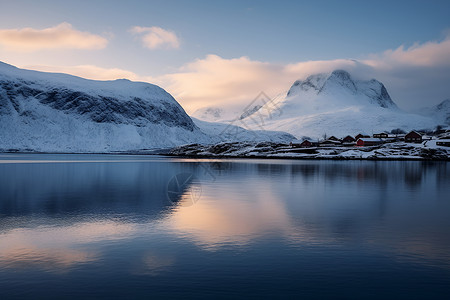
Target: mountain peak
(340, 78)
(444, 105)
(339, 83)
(341, 74)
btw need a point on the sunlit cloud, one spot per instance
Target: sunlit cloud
(415, 76)
(156, 37)
(216, 81)
(419, 55)
(91, 72)
(62, 36)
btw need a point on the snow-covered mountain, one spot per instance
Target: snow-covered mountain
(224, 115)
(62, 113)
(335, 104)
(440, 112)
(209, 114)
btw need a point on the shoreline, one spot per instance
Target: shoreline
(308, 158)
(226, 157)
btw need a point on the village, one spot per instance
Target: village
(442, 138)
(414, 145)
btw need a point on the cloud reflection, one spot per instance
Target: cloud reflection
(254, 201)
(226, 218)
(58, 248)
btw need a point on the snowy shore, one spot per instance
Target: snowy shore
(389, 151)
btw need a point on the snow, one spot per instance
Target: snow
(229, 132)
(440, 112)
(52, 112)
(61, 113)
(371, 139)
(397, 150)
(336, 104)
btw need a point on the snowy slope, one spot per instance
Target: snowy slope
(210, 114)
(224, 115)
(62, 113)
(231, 132)
(440, 112)
(337, 104)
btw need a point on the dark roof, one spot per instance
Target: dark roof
(414, 133)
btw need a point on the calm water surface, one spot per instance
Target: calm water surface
(106, 226)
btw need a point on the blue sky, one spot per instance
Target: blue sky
(278, 33)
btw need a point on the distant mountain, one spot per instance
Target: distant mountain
(62, 113)
(211, 114)
(442, 112)
(217, 114)
(337, 104)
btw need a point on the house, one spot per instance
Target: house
(301, 143)
(330, 143)
(359, 136)
(348, 139)
(382, 135)
(306, 144)
(295, 143)
(443, 142)
(413, 137)
(333, 138)
(364, 142)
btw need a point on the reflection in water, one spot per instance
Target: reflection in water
(135, 216)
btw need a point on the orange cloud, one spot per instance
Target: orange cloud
(216, 81)
(91, 72)
(410, 74)
(156, 37)
(62, 36)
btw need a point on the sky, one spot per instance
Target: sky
(224, 53)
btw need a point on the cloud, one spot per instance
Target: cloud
(91, 72)
(62, 36)
(216, 81)
(415, 77)
(419, 55)
(156, 37)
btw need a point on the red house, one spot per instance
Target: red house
(413, 137)
(306, 144)
(364, 142)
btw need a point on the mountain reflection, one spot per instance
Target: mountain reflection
(60, 215)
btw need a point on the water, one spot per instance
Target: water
(106, 226)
